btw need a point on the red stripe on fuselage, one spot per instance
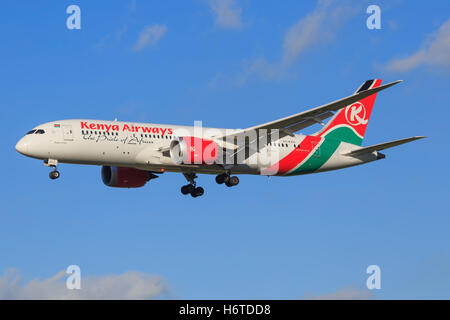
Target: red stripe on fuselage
(295, 157)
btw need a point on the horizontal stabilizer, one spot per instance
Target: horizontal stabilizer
(381, 146)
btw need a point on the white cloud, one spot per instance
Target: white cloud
(317, 27)
(114, 38)
(129, 285)
(226, 13)
(434, 52)
(150, 36)
(304, 33)
(343, 294)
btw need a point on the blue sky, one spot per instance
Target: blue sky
(229, 64)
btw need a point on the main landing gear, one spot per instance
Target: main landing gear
(229, 181)
(195, 191)
(192, 186)
(54, 174)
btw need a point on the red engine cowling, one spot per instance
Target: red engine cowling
(122, 177)
(193, 150)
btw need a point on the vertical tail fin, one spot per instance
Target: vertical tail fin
(349, 124)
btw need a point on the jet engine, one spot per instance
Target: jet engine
(193, 150)
(123, 177)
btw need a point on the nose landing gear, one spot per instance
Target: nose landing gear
(192, 188)
(54, 174)
(52, 163)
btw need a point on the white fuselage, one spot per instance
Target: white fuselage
(144, 146)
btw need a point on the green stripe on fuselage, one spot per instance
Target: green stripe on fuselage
(330, 143)
(344, 134)
(320, 156)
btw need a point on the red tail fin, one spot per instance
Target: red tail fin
(349, 124)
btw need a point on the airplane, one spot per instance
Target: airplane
(131, 154)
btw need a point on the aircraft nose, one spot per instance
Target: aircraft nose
(22, 146)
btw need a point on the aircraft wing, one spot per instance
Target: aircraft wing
(307, 118)
(289, 125)
(382, 146)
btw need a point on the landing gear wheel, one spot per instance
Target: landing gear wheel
(187, 189)
(54, 175)
(197, 192)
(192, 186)
(222, 178)
(232, 181)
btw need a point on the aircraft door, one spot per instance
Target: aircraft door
(67, 132)
(316, 153)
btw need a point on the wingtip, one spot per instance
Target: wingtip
(395, 82)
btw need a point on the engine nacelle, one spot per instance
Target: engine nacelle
(123, 177)
(193, 150)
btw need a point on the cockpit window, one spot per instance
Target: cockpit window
(40, 131)
(31, 132)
